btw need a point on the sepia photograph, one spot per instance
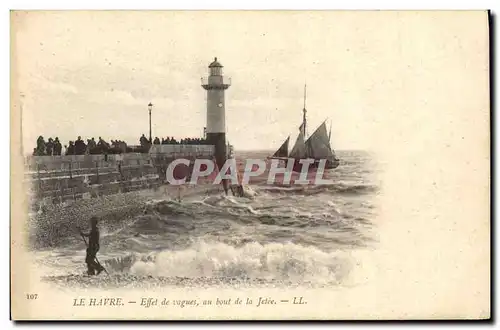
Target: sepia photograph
(246, 165)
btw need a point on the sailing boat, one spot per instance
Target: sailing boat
(316, 147)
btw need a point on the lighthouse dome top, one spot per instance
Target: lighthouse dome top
(215, 64)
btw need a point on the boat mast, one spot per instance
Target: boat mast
(304, 112)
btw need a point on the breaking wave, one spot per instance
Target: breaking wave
(274, 261)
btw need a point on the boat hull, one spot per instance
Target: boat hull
(332, 164)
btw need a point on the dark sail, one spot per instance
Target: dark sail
(283, 150)
(318, 144)
(299, 149)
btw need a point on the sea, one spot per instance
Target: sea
(315, 235)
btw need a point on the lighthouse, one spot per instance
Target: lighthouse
(215, 85)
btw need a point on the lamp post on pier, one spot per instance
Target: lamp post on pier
(150, 107)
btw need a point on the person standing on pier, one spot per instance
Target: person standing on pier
(57, 147)
(80, 146)
(49, 147)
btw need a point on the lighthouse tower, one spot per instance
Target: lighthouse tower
(215, 85)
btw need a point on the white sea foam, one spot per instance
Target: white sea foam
(253, 260)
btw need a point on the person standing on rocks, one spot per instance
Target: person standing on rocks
(93, 266)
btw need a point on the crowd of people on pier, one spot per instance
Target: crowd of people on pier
(172, 140)
(53, 147)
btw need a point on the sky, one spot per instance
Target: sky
(93, 73)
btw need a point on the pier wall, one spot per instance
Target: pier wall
(58, 179)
